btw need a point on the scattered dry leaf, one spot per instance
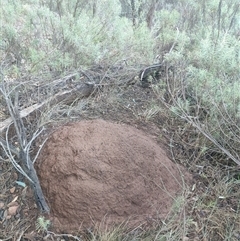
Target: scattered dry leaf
(196, 239)
(1, 204)
(11, 204)
(24, 192)
(12, 210)
(29, 236)
(5, 214)
(15, 199)
(12, 190)
(15, 176)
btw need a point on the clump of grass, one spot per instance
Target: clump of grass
(42, 224)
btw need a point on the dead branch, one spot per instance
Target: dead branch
(67, 97)
(22, 161)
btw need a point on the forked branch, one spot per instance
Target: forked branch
(20, 156)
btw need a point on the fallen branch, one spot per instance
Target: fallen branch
(67, 97)
(21, 159)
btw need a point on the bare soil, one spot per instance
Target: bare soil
(98, 174)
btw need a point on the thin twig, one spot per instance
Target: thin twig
(66, 235)
(38, 152)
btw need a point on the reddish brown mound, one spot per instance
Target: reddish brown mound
(95, 171)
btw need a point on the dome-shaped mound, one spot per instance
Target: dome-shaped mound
(94, 172)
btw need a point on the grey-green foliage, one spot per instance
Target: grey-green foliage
(214, 69)
(201, 40)
(62, 35)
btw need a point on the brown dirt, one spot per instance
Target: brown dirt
(97, 172)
